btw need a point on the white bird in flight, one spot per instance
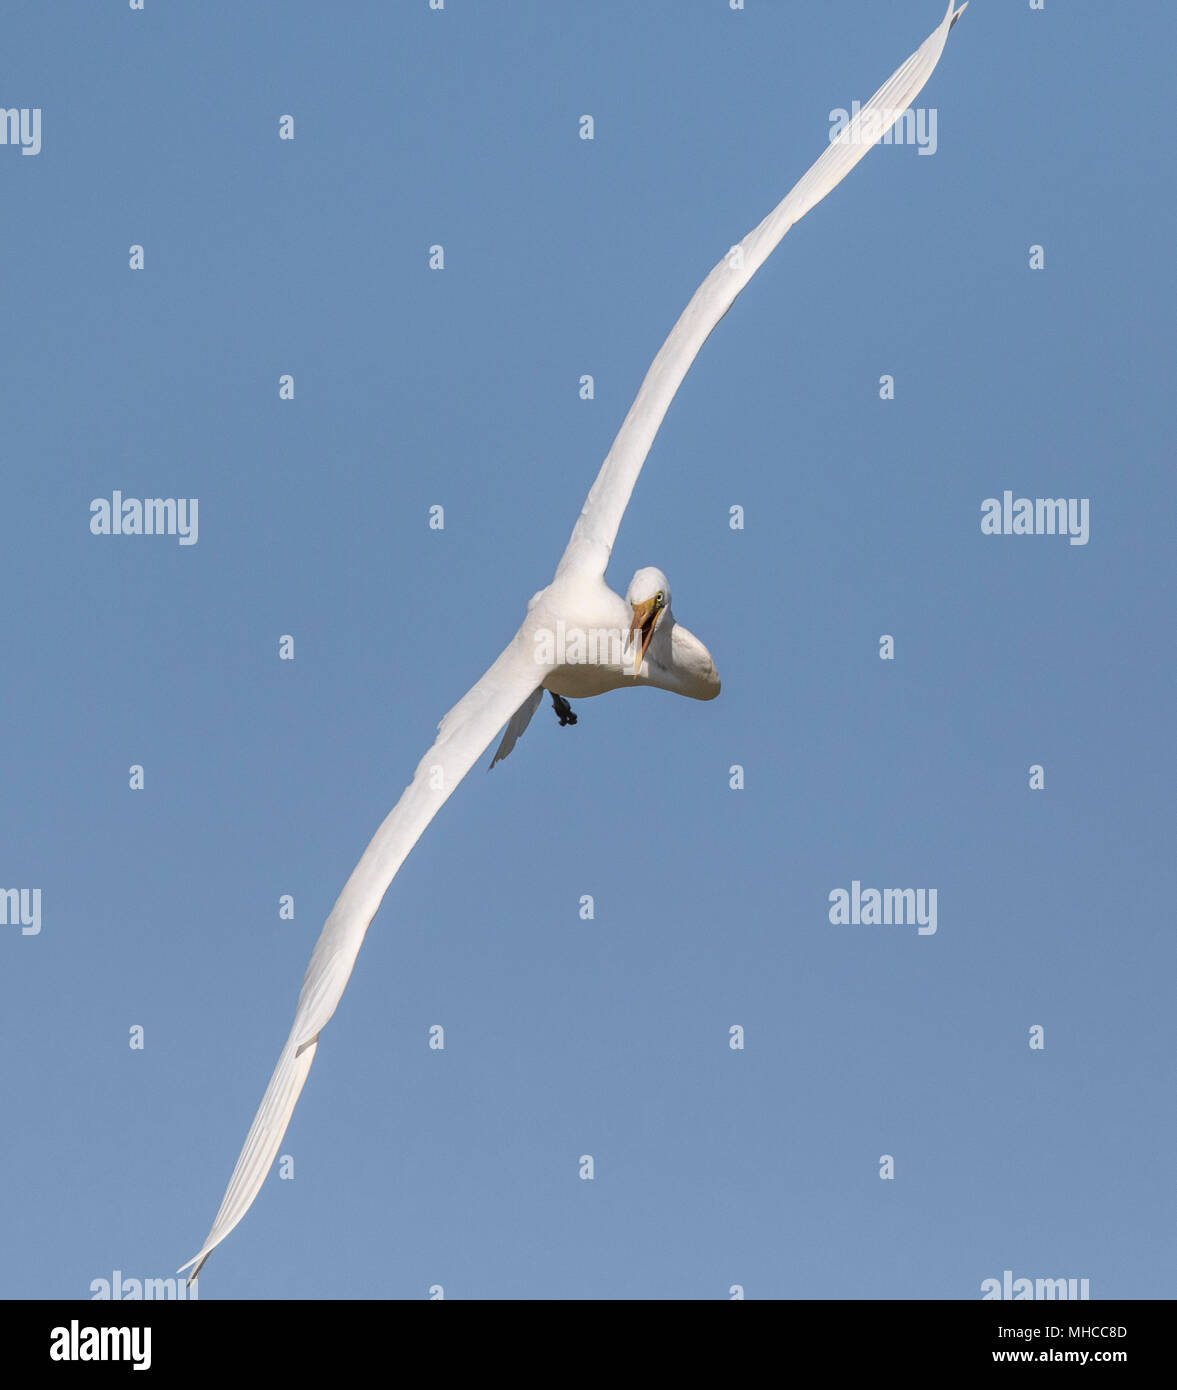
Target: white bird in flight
(578, 639)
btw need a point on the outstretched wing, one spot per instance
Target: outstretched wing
(463, 736)
(596, 529)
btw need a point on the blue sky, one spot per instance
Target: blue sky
(413, 387)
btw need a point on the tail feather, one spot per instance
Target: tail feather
(518, 722)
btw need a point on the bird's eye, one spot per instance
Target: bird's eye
(659, 598)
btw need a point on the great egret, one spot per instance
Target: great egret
(578, 639)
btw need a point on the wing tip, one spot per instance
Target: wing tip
(958, 14)
(198, 1260)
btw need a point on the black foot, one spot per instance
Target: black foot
(563, 709)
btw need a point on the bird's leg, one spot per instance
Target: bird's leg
(563, 709)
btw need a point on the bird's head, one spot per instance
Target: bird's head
(678, 661)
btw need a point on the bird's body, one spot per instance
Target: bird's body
(591, 627)
(578, 639)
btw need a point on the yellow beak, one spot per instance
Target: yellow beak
(645, 618)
